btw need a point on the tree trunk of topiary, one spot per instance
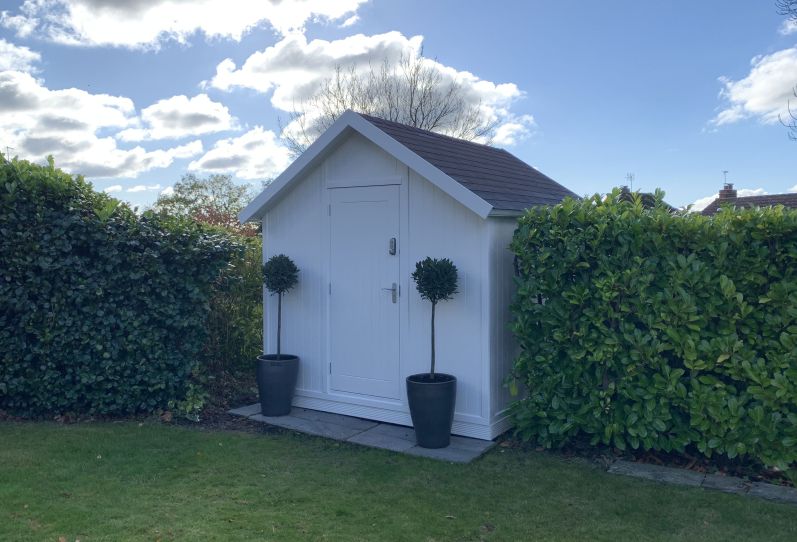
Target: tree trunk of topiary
(432, 371)
(279, 325)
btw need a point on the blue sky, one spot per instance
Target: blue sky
(136, 96)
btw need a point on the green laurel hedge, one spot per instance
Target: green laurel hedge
(645, 329)
(102, 311)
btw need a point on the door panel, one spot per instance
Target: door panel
(364, 311)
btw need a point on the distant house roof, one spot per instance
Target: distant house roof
(504, 181)
(486, 180)
(727, 196)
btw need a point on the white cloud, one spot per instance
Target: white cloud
(257, 154)
(702, 203)
(293, 69)
(792, 190)
(113, 188)
(789, 26)
(144, 188)
(21, 25)
(37, 121)
(180, 116)
(351, 21)
(514, 129)
(16, 57)
(168, 191)
(765, 92)
(147, 23)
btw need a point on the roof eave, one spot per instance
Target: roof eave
(512, 213)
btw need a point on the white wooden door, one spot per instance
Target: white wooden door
(364, 297)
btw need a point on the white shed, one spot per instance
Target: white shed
(355, 212)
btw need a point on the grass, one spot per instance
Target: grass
(131, 481)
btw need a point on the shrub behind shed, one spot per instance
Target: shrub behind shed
(101, 311)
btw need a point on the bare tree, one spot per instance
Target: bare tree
(790, 121)
(410, 91)
(789, 9)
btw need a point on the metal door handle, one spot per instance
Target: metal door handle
(393, 290)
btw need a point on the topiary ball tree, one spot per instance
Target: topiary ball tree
(436, 281)
(280, 274)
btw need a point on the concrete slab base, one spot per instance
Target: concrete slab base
(367, 433)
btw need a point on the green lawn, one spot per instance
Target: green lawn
(130, 481)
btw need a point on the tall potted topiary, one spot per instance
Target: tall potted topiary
(276, 373)
(432, 395)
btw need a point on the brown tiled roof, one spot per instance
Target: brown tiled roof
(787, 200)
(502, 180)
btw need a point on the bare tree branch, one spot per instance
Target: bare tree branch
(791, 121)
(410, 91)
(787, 8)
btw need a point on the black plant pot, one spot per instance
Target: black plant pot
(276, 380)
(432, 407)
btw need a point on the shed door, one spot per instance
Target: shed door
(364, 308)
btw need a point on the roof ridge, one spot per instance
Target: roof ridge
(781, 195)
(431, 133)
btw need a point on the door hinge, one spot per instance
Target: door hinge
(329, 210)
(330, 288)
(330, 367)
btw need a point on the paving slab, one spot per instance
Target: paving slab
(248, 410)
(338, 419)
(727, 484)
(386, 436)
(312, 427)
(450, 453)
(773, 492)
(657, 473)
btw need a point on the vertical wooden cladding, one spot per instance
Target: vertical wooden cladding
(503, 346)
(358, 162)
(442, 228)
(295, 226)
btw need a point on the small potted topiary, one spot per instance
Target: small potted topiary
(276, 373)
(432, 395)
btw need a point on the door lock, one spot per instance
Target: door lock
(393, 291)
(392, 249)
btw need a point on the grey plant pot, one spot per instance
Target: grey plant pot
(432, 408)
(276, 382)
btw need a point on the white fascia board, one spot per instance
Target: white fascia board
(350, 119)
(257, 206)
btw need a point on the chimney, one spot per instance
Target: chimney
(728, 191)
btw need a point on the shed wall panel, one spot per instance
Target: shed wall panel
(358, 162)
(295, 228)
(440, 227)
(503, 345)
